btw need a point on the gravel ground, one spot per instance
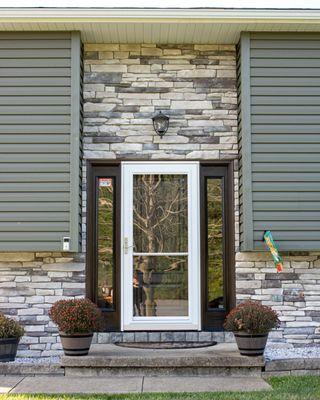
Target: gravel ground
(34, 360)
(278, 353)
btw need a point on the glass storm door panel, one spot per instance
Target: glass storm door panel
(160, 246)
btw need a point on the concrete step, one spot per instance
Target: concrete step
(111, 360)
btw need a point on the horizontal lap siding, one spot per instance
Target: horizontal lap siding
(285, 139)
(35, 140)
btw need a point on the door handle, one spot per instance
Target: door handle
(126, 246)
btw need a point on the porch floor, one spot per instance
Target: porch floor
(222, 359)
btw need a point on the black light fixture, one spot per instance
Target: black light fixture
(160, 123)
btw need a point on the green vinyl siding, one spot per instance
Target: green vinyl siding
(244, 126)
(281, 157)
(39, 140)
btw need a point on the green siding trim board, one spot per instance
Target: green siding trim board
(245, 146)
(40, 85)
(280, 140)
(75, 137)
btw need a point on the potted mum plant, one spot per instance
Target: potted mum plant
(10, 334)
(76, 319)
(250, 323)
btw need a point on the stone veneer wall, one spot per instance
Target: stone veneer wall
(193, 84)
(293, 293)
(124, 86)
(29, 284)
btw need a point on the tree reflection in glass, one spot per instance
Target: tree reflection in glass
(160, 225)
(215, 243)
(105, 243)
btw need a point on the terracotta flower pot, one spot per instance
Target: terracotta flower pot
(8, 349)
(77, 344)
(251, 345)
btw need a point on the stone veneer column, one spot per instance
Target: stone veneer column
(126, 84)
(195, 85)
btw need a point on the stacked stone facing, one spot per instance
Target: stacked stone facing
(294, 293)
(124, 86)
(29, 284)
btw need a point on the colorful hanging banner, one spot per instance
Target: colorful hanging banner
(267, 237)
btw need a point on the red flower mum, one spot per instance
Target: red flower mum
(76, 316)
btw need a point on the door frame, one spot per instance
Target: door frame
(113, 321)
(193, 320)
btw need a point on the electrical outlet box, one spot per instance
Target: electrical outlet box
(66, 244)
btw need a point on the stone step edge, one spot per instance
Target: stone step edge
(59, 370)
(31, 369)
(164, 372)
(161, 362)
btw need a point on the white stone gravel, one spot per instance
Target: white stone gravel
(280, 353)
(36, 360)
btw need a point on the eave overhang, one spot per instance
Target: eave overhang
(201, 25)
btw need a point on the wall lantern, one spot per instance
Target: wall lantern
(160, 123)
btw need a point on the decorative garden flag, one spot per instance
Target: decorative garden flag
(267, 236)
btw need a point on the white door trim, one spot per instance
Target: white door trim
(193, 320)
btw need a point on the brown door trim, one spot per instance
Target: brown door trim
(212, 319)
(95, 170)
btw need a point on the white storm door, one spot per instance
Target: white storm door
(160, 246)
